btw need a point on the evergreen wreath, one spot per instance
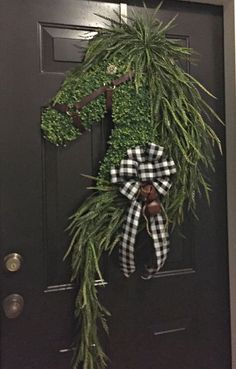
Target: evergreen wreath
(160, 103)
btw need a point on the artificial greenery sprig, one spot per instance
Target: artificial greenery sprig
(95, 228)
(164, 105)
(178, 115)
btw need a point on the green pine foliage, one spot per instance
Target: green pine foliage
(162, 104)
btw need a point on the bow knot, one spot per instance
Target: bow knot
(149, 196)
(144, 175)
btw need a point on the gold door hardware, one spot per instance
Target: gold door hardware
(13, 262)
(13, 305)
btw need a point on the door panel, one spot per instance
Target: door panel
(180, 319)
(41, 184)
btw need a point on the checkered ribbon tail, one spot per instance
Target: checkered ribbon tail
(143, 164)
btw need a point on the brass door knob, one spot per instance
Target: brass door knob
(13, 305)
(13, 262)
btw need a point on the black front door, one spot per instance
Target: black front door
(179, 320)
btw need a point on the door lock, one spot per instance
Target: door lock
(13, 262)
(13, 305)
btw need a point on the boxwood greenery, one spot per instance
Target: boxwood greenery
(161, 104)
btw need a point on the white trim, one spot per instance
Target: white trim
(123, 11)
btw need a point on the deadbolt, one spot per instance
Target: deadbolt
(13, 262)
(13, 305)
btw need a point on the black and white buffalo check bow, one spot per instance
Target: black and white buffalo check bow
(143, 164)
